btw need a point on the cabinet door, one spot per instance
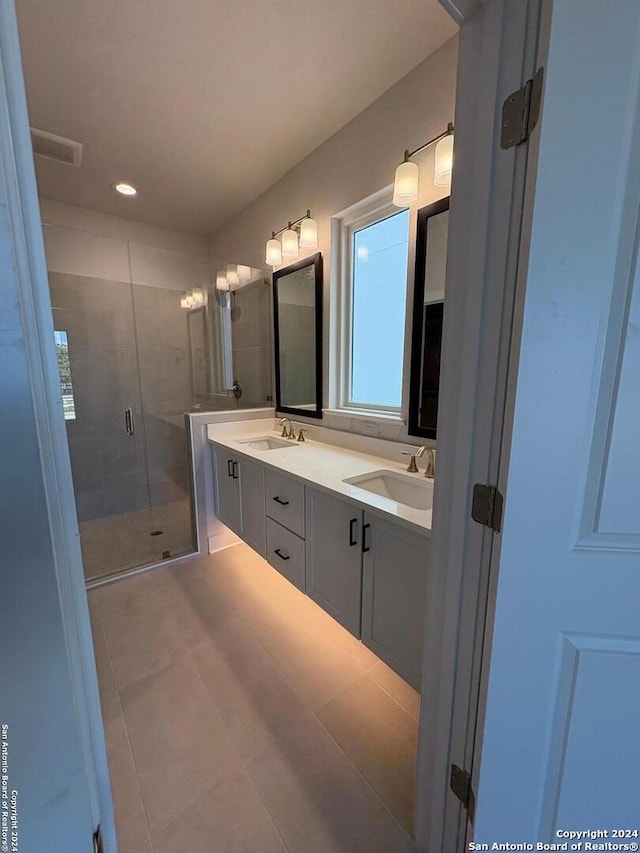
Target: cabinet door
(252, 514)
(334, 558)
(227, 477)
(395, 569)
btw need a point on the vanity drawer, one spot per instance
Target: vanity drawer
(285, 552)
(285, 501)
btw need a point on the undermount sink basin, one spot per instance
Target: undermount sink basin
(407, 489)
(266, 442)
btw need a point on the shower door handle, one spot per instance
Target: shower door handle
(128, 421)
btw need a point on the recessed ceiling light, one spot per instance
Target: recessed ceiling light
(125, 188)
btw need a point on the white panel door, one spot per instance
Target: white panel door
(561, 747)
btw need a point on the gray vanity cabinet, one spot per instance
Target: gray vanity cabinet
(334, 557)
(394, 593)
(252, 511)
(240, 497)
(227, 492)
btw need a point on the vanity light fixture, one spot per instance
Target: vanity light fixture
(124, 188)
(244, 273)
(290, 247)
(273, 255)
(308, 233)
(405, 187)
(232, 276)
(444, 161)
(300, 234)
(221, 281)
(193, 299)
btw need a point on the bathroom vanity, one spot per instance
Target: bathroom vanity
(348, 528)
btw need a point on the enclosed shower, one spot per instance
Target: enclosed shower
(134, 360)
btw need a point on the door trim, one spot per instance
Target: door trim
(32, 284)
(497, 52)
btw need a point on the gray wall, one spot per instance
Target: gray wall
(356, 162)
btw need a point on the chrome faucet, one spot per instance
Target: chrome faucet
(286, 433)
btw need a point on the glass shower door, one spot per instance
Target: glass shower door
(125, 372)
(95, 338)
(169, 381)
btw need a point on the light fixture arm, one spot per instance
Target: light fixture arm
(289, 225)
(408, 154)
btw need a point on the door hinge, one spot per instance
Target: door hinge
(460, 784)
(521, 111)
(97, 841)
(486, 506)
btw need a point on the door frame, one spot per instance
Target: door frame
(35, 304)
(498, 51)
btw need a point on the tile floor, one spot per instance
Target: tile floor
(118, 542)
(240, 717)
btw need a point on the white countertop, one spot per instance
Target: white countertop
(323, 466)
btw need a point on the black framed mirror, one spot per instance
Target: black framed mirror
(428, 310)
(297, 314)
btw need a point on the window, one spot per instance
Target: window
(373, 294)
(64, 368)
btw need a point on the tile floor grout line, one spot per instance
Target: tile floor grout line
(367, 783)
(338, 693)
(153, 672)
(124, 719)
(242, 759)
(135, 767)
(275, 662)
(126, 729)
(264, 649)
(225, 778)
(134, 598)
(155, 669)
(384, 689)
(314, 709)
(106, 644)
(191, 803)
(325, 728)
(266, 809)
(312, 712)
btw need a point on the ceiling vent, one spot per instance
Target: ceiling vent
(56, 148)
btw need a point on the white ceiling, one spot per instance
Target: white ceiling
(203, 104)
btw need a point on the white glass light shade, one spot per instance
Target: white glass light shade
(184, 302)
(308, 234)
(198, 296)
(221, 281)
(443, 161)
(405, 186)
(290, 247)
(190, 300)
(273, 255)
(244, 273)
(232, 275)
